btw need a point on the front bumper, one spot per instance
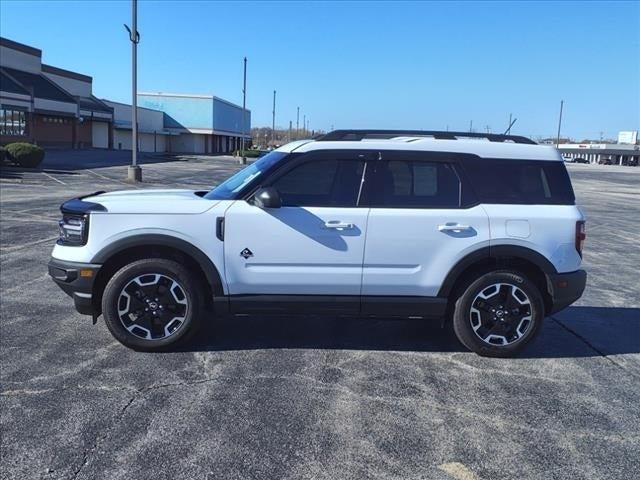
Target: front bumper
(565, 288)
(76, 280)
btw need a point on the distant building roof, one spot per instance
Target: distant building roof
(66, 73)
(92, 103)
(21, 47)
(42, 86)
(8, 85)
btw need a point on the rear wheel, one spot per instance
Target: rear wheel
(152, 304)
(498, 314)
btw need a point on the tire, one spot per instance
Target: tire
(490, 331)
(152, 304)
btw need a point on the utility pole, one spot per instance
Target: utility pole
(559, 123)
(298, 124)
(511, 123)
(290, 124)
(488, 128)
(304, 125)
(273, 122)
(243, 159)
(134, 172)
(471, 126)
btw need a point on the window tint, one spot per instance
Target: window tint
(520, 181)
(415, 183)
(321, 183)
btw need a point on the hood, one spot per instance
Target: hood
(153, 201)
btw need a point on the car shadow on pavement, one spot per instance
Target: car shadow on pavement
(575, 332)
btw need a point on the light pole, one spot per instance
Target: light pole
(559, 124)
(273, 121)
(298, 124)
(134, 172)
(243, 159)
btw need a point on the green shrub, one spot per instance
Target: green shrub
(249, 153)
(25, 154)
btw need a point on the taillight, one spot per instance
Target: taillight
(581, 234)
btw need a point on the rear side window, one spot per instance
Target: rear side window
(505, 181)
(321, 183)
(415, 184)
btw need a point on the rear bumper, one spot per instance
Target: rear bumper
(565, 288)
(76, 280)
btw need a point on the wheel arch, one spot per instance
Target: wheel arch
(525, 260)
(124, 251)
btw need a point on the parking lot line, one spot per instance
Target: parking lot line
(53, 178)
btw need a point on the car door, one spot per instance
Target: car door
(422, 222)
(311, 247)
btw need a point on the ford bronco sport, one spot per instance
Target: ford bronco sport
(481, 230)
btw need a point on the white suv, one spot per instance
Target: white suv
(479, 229)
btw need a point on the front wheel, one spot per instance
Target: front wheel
(498, 314)
(151, 304)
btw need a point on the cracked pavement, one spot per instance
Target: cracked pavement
(312, 397)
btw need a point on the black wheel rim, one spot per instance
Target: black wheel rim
(501, 314)
(153, 306)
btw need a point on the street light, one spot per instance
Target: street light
(243, 159)
(273, 122)
(134, 172)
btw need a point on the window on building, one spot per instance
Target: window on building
(13, 123)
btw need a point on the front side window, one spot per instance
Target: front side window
(415, 184)
(321, 183)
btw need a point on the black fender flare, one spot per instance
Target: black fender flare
(153, 239)
(497, 251)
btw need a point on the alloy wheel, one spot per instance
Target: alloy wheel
(153, 306)
(501, 314)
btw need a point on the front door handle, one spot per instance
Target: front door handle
(451, 227)
(338, 225)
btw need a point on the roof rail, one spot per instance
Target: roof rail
(357, 135)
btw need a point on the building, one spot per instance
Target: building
(203, 123)
(152, 134)
(53, 107)
(609, 153)
(47, 105)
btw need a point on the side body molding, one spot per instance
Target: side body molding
(150, 240)
(485, 253)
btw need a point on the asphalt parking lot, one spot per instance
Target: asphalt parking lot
(315, 398)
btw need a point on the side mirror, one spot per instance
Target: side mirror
(267, 198)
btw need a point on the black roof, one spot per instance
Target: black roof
(42, 86)
(92, 103)
(8, 85)
(357, 135)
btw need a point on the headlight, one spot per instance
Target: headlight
(73, 230)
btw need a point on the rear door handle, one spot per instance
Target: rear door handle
(338, 225)
(449, 227)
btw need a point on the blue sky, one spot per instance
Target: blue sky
(363, 64)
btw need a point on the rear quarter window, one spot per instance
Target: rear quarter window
(529, 182)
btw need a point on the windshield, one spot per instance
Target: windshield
(230, 187)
